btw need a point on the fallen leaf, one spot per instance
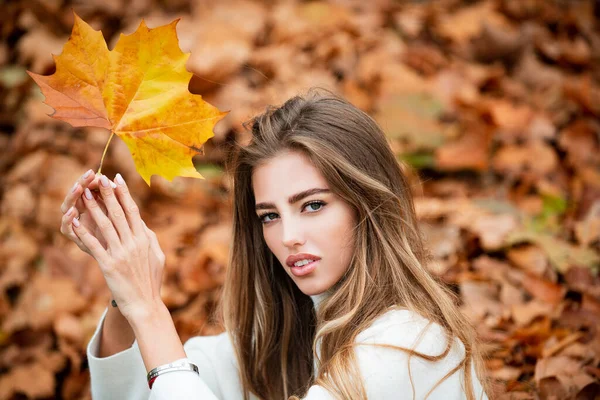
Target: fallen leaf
(19, 380)
(530, 259)
(42, 301)
(470, 151)
(467, 22)
(562, 255)
(587, 231)
(494, 229)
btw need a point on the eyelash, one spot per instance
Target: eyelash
(319, 202)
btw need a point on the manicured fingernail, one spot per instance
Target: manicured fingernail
(88, 194)
(76, 222)
(69, 211)
(119, 179)
(113, 185)
(104, 180)
(88, 173)
(74, 187)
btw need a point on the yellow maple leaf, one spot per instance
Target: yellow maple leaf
(138, 90)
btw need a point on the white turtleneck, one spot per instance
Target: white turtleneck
(318, 298)
(384, 370)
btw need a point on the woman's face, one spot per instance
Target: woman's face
(300, 216)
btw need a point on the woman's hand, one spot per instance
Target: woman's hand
(73, 207)
(128, 253)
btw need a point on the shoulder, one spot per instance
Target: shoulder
(407, 329)
(383, 358)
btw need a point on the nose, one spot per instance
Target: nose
(293, 234)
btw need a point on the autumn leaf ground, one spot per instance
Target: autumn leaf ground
(493, 106)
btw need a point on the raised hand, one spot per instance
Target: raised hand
(74, 208)
(129, 255)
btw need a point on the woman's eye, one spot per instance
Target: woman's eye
(263, 216)
(311, 207)
(315, 205)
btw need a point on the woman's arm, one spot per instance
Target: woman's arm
(156, 335)
(140, 335)
(119, 375)
(123, 375)
(159, 344)
(117, 334)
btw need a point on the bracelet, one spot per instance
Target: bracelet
(182, 365)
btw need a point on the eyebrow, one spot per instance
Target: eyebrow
(293, 198)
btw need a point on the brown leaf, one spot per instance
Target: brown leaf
(548, 292)
(69, 327)
(19, 380)
(493, 229)
(530, 259)
(205, 268)
(536, 157)
(566, 370)
(224, 41)
(18, 202)
(467, 22)
(587, 231)
(480, 300)
(42, 301)
(523, 314)
(470, 151)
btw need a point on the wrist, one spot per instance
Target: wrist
(147, 316)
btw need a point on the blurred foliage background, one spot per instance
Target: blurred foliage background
(491, 105)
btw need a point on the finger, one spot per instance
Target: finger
(131, 209)
(76, 191)
(102, 221)
(154, 245)
(93, 186)
(66, 227)
(114, 210)
(89, 241)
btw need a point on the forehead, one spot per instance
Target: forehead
(284, 175)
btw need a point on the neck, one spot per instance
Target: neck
(318, 299)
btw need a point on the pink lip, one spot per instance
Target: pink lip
(300, 256)
(305, 269)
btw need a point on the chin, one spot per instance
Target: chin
(312, 290)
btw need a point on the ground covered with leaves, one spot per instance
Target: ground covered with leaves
(492, 105)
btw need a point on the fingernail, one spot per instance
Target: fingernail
(74, 187)
(69, 211)
(114, 185)
(88, 173)
(76, 222)
(119, 179)
(104, 180)
(88, 194)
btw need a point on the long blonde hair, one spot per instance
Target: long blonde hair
(273, 325)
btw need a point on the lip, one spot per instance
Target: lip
(305, 269)
(300, 256)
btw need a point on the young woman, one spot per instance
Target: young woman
(326, 295)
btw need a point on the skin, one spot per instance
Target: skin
(323, 229)
(111, 230)
(107, 225)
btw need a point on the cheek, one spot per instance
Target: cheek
(268, 238)
(272, 238)
(336, 234)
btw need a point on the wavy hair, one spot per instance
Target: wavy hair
(273, 326)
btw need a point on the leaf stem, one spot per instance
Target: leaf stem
(112, 133)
